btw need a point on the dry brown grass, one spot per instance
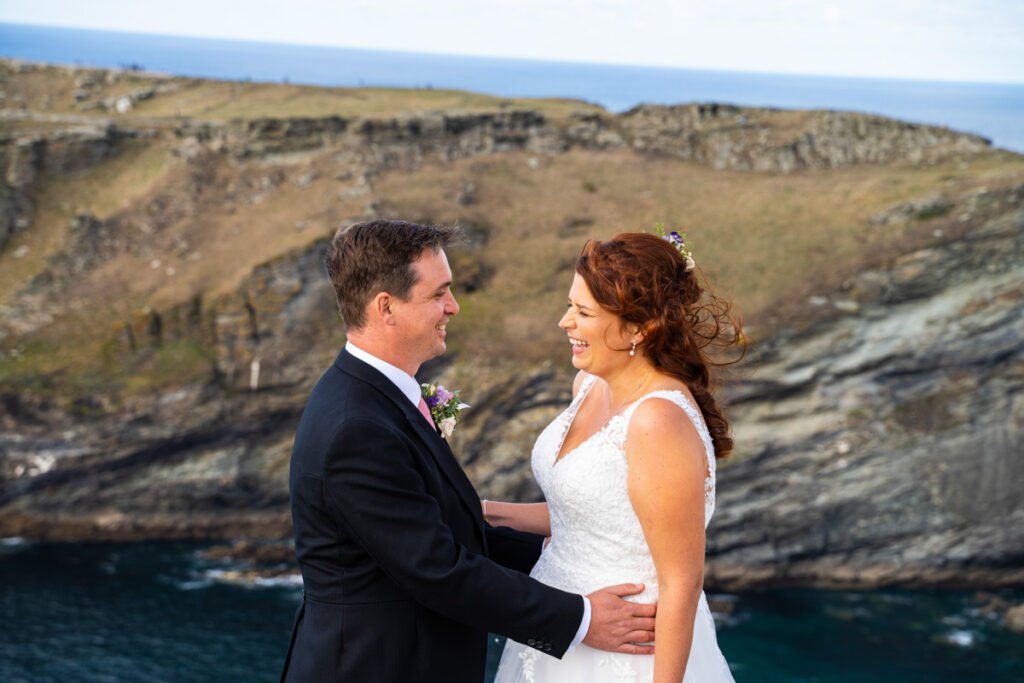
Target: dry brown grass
(766, 241)
(50, 90)
(101, 191)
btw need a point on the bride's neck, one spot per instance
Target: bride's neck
(629, 383)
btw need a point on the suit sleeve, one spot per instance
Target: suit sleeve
(513, 549)
(373, 485)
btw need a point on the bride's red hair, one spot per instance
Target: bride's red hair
(643, 280)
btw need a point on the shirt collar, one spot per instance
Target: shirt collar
(400, 378)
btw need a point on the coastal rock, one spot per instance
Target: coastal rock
(1014, 619)
(921, 209)
(853, 468)
(780, 141)
(26, 157)
(878, 430)
(593, 131)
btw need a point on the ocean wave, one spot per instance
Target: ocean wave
(288, 581)
(960, 637)
(253, 578)
(13, 544)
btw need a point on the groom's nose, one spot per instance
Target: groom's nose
(451, 306)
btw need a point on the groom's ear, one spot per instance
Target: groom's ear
(381, 308)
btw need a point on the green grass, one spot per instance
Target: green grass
(45, 367)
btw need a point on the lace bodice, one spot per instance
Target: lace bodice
(596, 537)
(597, 541)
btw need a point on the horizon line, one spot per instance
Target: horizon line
(753, 71)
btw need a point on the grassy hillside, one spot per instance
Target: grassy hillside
(190, 223)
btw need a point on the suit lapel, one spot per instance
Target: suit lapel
(435, 445)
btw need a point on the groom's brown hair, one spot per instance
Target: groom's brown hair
(376, 256)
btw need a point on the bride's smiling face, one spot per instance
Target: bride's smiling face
(600, 345)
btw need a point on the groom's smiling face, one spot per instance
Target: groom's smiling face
(422, 318)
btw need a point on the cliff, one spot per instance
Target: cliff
(163, 312)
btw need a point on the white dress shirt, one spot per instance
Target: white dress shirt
(410, 388)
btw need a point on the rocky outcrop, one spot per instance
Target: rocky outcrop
(400, 142)
(877, 442)
(262, 137)
(883, 446)
(721, 136)
(261, 332)
(163, 470)
(779, 141)
(60, 151)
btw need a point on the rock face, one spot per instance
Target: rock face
(879, 445)
(748, 139)
(884, 446)
(721, 136)
(64, 151)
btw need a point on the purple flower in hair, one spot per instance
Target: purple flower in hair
(679, 242)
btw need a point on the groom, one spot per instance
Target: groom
(403, 578)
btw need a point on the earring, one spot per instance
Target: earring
(632, 351)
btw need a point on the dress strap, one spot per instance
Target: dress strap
(588, 382)
(681, 400)
(692, 412)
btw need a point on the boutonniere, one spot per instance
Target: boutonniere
(444, 406)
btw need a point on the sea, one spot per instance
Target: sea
(995, 111)
(163, 612)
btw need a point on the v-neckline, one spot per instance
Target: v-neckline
(584, 392)
(575, 408)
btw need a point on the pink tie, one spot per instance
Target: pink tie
(425, 412)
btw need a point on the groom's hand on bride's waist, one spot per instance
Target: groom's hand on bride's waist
(618, 625)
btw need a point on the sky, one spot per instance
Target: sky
(945, 40)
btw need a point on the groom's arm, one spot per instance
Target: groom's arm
(377, 494)
(513, 549)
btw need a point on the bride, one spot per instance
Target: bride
(628, 470)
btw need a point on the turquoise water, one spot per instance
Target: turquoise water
(995, 111)
(156, 612)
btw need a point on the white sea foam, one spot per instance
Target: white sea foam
(13, 545)
(960, 637)
(288, 581)
(248, 579)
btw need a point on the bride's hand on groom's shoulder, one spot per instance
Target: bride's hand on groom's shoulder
(617, 625)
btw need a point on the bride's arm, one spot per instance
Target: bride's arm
(666, 486)
(529, 517)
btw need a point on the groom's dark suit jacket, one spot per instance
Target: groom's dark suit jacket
(402, 578)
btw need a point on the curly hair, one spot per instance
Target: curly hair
(643, 280)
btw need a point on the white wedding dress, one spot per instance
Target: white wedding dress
(597, 541)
